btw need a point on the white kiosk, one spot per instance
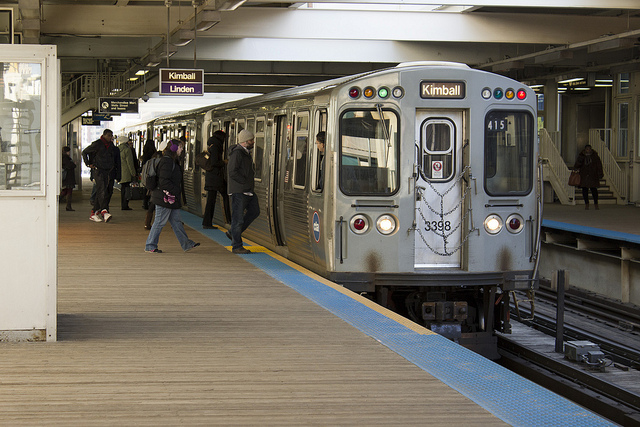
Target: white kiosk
(29, 185)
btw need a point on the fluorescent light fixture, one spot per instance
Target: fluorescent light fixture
(604, 80)
(576, 79)
(207, 19)
(181, 37)
(133, 79)
(581, 88)
(603, 85)
(231, 5)
(536, 86)
(141, 72)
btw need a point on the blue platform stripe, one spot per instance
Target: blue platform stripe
(508, 396)
(592, 231)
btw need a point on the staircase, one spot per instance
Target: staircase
(612, 188)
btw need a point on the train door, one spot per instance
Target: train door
(275, 195)
(439, 205)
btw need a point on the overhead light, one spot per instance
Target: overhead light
(153, 61)
(182, 37)
(141, 72)
(575, 79)
(615, 44)
(230, 5)
(208, 18)
(560, 55)
(133, 79)
(536, 86)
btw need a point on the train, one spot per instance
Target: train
(426, 199)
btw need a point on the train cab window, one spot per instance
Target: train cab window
(320, 142)
(369, 152)
(301, 149)
(258, 148)
(437, 144)
(508, 150)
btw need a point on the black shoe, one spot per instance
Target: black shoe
(69, 208)
(241, 251)
(145, 207)
(226, 233)
(194, 246)
(127, 209)
(209, 227)
(154, 251)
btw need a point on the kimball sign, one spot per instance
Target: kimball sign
(181, 82)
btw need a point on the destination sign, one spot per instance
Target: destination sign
(118, 105)
(442, 90)
(89, 121)
(181, 82)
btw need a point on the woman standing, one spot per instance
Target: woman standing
(68, 176)
(167, 199)
(590, 167)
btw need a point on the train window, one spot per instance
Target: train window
(319, 150)
(369, 152)
(437, 142)
(508, 144)
(258, 148)
(301, 149)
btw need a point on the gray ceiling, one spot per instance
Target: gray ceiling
(266, 45)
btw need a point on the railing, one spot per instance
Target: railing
(557, 169)
(95, 85)
(599, 139)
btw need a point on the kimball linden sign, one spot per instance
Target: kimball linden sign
(181, 82)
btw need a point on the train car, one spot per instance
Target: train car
(426, 196)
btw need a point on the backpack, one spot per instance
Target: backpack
(148, 175)
(202, 160)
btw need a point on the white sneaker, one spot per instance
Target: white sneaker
(106, 215)
(95, 217)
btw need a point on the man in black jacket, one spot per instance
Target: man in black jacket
(100, 156)
(244, 202)
(215, 180)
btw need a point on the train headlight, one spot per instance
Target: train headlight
(386, 224)
(515, 223)
(493, 224)
(359, 224)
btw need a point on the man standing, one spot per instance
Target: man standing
(244, 202)
(216, 180)
(100, 157)
(128, 171)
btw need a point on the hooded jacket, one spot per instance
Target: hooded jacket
(590, 167)
(241, 171)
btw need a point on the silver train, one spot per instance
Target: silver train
(427, 197)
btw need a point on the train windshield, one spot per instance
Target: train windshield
(368, 154)
(509, 138)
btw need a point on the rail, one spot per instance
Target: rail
(600, 139)
(557, 172)
(95, 85)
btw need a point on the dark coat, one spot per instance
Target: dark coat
(148, 150)
(101, 154)
(69, 166)
(170, 179)
(216, 179)
(240, 170)
(590, 167)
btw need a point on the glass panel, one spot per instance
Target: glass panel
(319, 151)
(437, 150)
(301, 160)
(20, 118)
(369, 160)
(623, 86)
(509, 138)
(623, 128)
(258, 149)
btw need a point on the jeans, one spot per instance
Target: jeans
(244, 209)
(175, 219)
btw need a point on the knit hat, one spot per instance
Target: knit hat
(244, 136)
(123, 139)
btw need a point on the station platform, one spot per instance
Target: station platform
(213, 338)
(615, 222)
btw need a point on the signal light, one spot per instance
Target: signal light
(509, 94)
(522, 94)
(486, 93)
(354, 92)
(359, 224)
(515, 223)
(369, 92)
(383, 92)
(398, 92)
(497, 93)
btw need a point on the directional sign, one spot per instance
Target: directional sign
(90, 121)
(103, 117)
(181, 82)
(118, 105)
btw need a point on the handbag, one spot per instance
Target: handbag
(574, 179)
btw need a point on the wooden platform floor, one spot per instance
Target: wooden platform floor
(203, 338)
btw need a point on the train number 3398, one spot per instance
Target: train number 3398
(438, 226)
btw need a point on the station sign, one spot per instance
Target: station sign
(103, 117)
(442, 90)
(118, 105)
(187, 82)
(89, 121)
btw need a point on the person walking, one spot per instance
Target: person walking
(167, 199)
(128, 171)
(68, 176)
(148, 151)
(244, 202)
(589, 165)
(100, 157)
(215, 180)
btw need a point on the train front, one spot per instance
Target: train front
(437, 208)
